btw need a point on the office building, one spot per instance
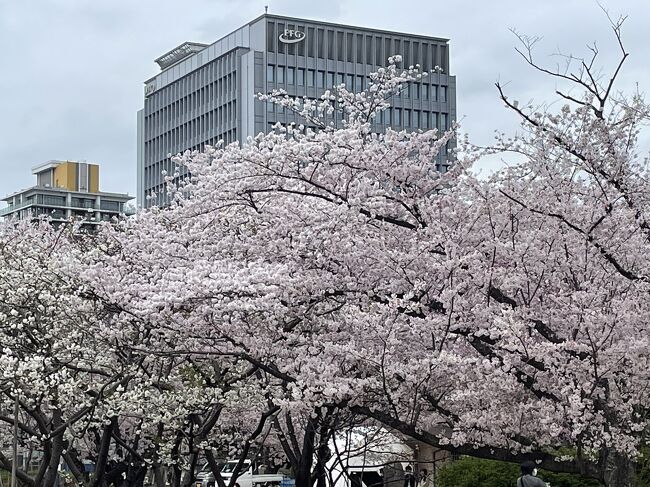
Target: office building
(65, 191)
(205, 93)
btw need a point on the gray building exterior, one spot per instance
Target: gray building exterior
(66, 191)
(205, 93)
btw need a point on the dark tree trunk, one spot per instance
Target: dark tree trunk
(322, 454)
(176, 471)
(159, 475)
(115, 473)
(135, 476)
(618, 469)
(191, 474)
(75, 466)
(52, 472)
(214, 467)
(102, 455)
(303, 472)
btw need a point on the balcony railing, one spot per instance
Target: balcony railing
(105, 206)
(12, 208)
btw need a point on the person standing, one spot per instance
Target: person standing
(409, 477)
(424, 478)
(529, 476)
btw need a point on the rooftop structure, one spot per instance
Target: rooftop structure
(179, 53)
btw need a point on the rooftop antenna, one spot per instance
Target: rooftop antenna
(266, 9)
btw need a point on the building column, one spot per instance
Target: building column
(98, 206)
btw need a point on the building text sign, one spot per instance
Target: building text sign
(290, 36)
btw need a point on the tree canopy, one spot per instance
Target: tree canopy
(307, 273)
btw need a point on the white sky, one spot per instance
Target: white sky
(72, 71)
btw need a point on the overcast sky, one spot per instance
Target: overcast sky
(72, 71)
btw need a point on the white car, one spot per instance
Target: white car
(246, 478)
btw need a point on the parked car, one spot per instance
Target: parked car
(248, 476)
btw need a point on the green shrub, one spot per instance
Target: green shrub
(475, 472)
(643, 468)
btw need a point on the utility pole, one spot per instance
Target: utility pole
(14, 464)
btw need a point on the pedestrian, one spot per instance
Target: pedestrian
(529, 476)
(424, 478)
(409, 478)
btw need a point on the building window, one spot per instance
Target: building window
(424, 120)
(340, 80)
(434, 120)
(379, 61)
(359, 86)
(280, 74)
(368, 59)
(301, 77)
(311, 77)
(443, 58)
(416, 54)
(110, 205)
(416, 118)
(291, 48)
(301, 45)
(398, 116)
(388, 51)
(443, 121)
(53, 200)
(443, 94)
(407, 54)
(321, 79)
(330, 44)
(425, 92)
(359, 48)
(270, 36)
(407, 117)
(349, 82)
(350, 48)
(311, 42)
(281, 45)
(417, 90)
(321, 43)
(339, 46)
(330, 79)
(434, 92)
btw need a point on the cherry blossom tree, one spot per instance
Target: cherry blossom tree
(310, 273)
(95, 385)
(145, 278)
(502, 318)
(54, 368)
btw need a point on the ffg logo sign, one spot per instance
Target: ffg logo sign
(290, 36)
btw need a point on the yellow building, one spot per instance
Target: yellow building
(64, 191)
